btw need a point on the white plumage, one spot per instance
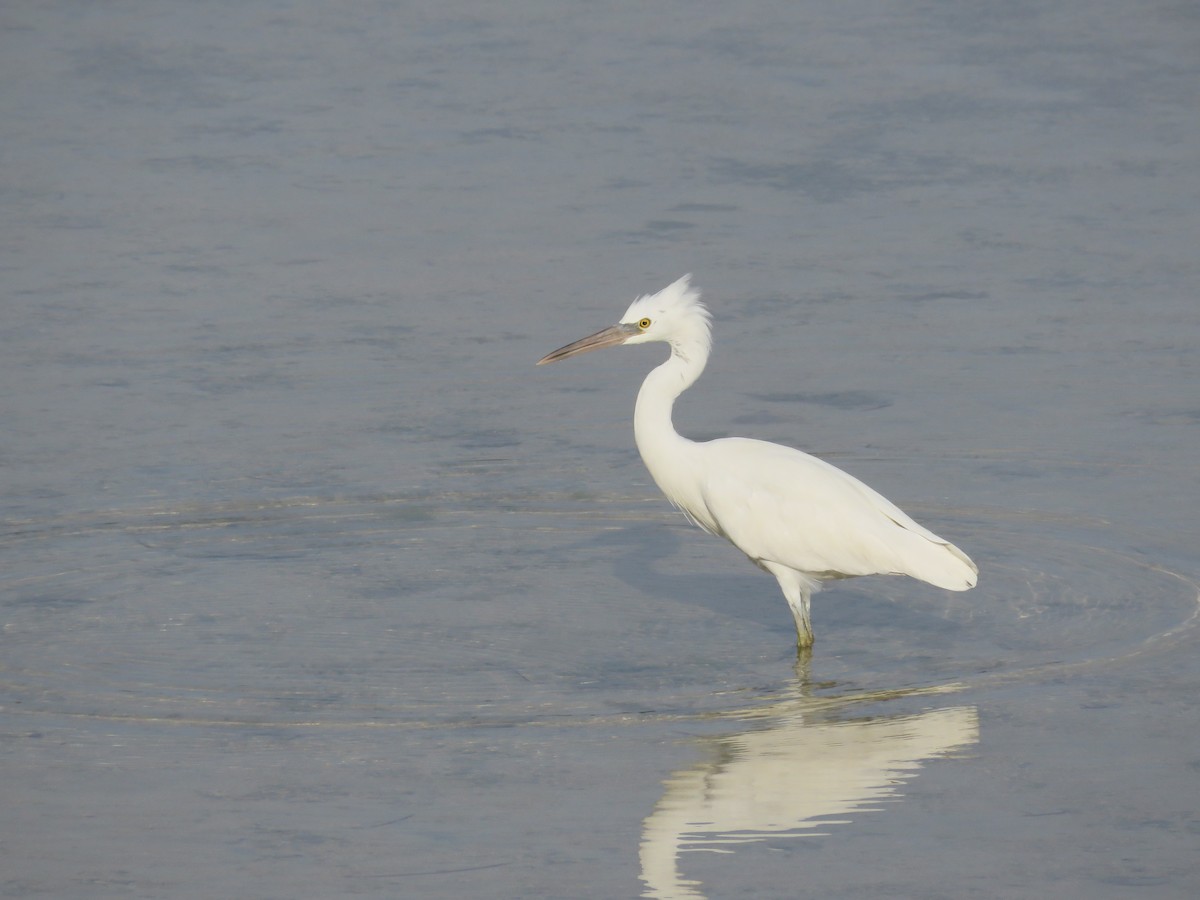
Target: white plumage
(794, 515)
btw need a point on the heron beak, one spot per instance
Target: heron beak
(609, 337)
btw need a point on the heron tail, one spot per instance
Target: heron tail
(943, 565)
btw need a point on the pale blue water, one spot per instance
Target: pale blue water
(313, 586)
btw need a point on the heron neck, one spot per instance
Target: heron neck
(653, 431)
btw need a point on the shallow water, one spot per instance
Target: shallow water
(312, 585)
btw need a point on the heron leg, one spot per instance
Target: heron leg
(800, 612)
(797, 590)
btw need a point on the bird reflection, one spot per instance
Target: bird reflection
(797, 777)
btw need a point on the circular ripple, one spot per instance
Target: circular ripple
(470, 609)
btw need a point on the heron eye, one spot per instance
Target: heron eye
(643, 324)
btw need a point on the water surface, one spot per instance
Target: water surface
(312, 585)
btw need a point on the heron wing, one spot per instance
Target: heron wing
(784, 506)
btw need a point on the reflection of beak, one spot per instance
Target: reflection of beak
(609, 337)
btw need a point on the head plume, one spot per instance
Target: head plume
(675, 315)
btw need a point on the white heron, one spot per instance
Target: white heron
(795, 516)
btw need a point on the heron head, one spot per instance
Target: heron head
(675, 315)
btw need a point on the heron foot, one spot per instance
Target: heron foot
(803, 667)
